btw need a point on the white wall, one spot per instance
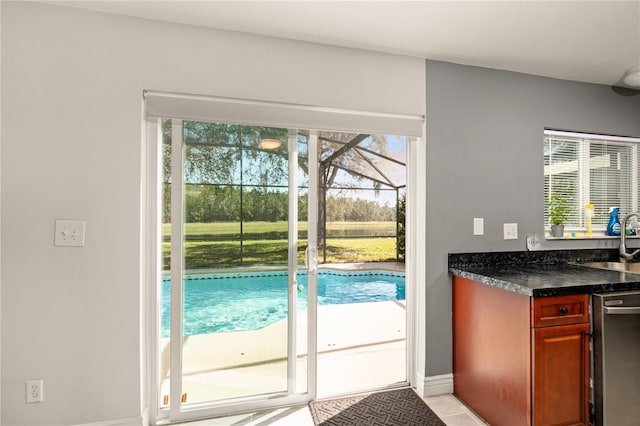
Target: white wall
(72, 85)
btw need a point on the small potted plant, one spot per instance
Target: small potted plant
(558, 214)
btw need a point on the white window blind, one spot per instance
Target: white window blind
(277, 114)
(591, 169)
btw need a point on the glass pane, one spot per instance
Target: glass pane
(265, 226)
(165, 247)
(562, 177)
(235, 335)
(610, 179)
(303, 196)
(386, 169)
(264, 156)
(212, 153)
(235, 215)
(303, 160)
(361, 213)
(265, 168)
(394, 147)
(362, 177)
(302, 292)
(330, 142)
(212, 229)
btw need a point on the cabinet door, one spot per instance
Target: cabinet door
(561, 375)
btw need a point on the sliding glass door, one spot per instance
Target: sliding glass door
(233, 209)
(237, 296)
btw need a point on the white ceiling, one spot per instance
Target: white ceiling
(590, 41)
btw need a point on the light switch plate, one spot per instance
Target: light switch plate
(69, 233)
(478, 226)
(510, 231)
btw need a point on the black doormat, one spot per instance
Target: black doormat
(389, 408)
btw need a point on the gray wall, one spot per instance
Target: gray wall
(485, 159)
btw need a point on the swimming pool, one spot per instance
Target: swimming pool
(215, 303)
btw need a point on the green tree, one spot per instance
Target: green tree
(229, 178)
(216, 153)
(401, 237)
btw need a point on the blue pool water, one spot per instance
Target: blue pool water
(216, 303)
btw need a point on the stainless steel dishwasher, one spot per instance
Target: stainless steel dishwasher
(616, 358)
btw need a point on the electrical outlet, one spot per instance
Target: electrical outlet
(69, 233)
(510, 231)
(34, 391)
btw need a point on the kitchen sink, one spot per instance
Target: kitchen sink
(615, 266)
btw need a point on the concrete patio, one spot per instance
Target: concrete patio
(360, 346)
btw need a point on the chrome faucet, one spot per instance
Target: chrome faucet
(624, 256)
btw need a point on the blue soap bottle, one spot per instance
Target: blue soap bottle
(613, 227)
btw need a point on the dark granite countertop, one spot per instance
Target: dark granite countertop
(543, 273)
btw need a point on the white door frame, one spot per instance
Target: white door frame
(415, 261)
(150, 259)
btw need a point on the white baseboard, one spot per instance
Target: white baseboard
(130, 421)
(435, 385)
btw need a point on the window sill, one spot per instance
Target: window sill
(583, 236)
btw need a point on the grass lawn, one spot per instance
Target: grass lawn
(218, 244)
(360, 250)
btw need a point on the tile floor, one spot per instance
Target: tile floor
(447, 407)
(452, 411)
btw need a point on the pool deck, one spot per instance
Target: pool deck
(374, 266)
(360, 346)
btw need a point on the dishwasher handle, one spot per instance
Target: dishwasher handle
(622, 310)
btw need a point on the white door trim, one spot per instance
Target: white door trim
(150, 259)
(415, 259)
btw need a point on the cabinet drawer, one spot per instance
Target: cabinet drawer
(560, 310)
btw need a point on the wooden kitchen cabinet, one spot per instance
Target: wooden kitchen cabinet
(561, 375)
(519, 360)
(560, 367)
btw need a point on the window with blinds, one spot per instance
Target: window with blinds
(590, 169)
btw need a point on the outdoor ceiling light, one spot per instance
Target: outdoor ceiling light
(270, 143)
(632, 78)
